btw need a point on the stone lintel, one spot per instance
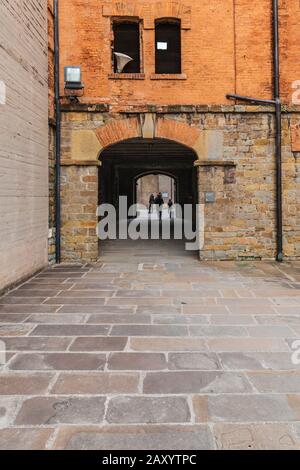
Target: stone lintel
(157, 109)
(214, 163)
(80, 163)
(200, 109)
(84, 107)
(172, 109)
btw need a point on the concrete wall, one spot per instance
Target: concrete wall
(23, 139)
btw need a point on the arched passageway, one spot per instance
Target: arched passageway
(124, 162)
(154, 183)
(166, 166)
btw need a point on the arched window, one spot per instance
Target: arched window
(168, 46)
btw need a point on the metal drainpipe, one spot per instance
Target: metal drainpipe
(278, 139)
(278, 126)
(58, 133)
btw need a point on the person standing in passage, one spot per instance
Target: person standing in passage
(151, 203)
(159, 202)
(170, 206)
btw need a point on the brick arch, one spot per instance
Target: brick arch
(117, 130)
(149, 12)
(178, 131)
(167, 9)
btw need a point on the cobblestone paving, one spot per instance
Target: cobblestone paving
(151, 349)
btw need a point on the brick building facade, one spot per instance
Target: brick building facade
(178, 95)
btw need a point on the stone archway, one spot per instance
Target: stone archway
(80, 168)
(123, 162)
(122, 166)
(83, 144)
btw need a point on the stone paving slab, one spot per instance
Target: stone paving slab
(151, 437)
(13, 318)
(151, 410)
(256, 361)
(193, 361)
(57, 361)
(99, 343)
(68, 319)
(55, 410)
(167, 344)
(136, 361)
(22, 309)
(244, 344)
(195, 382)
(96, 383)
(24, 384)
(247, 408)
(256, 436)
(280, 382)
(70, 330)
(23, 438)
(39, 343)
(152, 349)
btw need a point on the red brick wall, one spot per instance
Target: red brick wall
(51, 57)
(226, 49)
(253, 48)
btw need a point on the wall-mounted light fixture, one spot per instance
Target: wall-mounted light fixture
(73, 78)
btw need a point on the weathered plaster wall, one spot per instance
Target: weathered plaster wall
(23, 136)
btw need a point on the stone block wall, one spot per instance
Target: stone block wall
(236, 162)
(291, 188)
(241, 221)
(240, 224)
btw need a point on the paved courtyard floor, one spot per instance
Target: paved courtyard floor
(151, 349)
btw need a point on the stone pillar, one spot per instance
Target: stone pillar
(291, 186)
(217, 192)
(79, 200)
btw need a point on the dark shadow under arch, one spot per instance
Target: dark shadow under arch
(125, 161)
(167, 144)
